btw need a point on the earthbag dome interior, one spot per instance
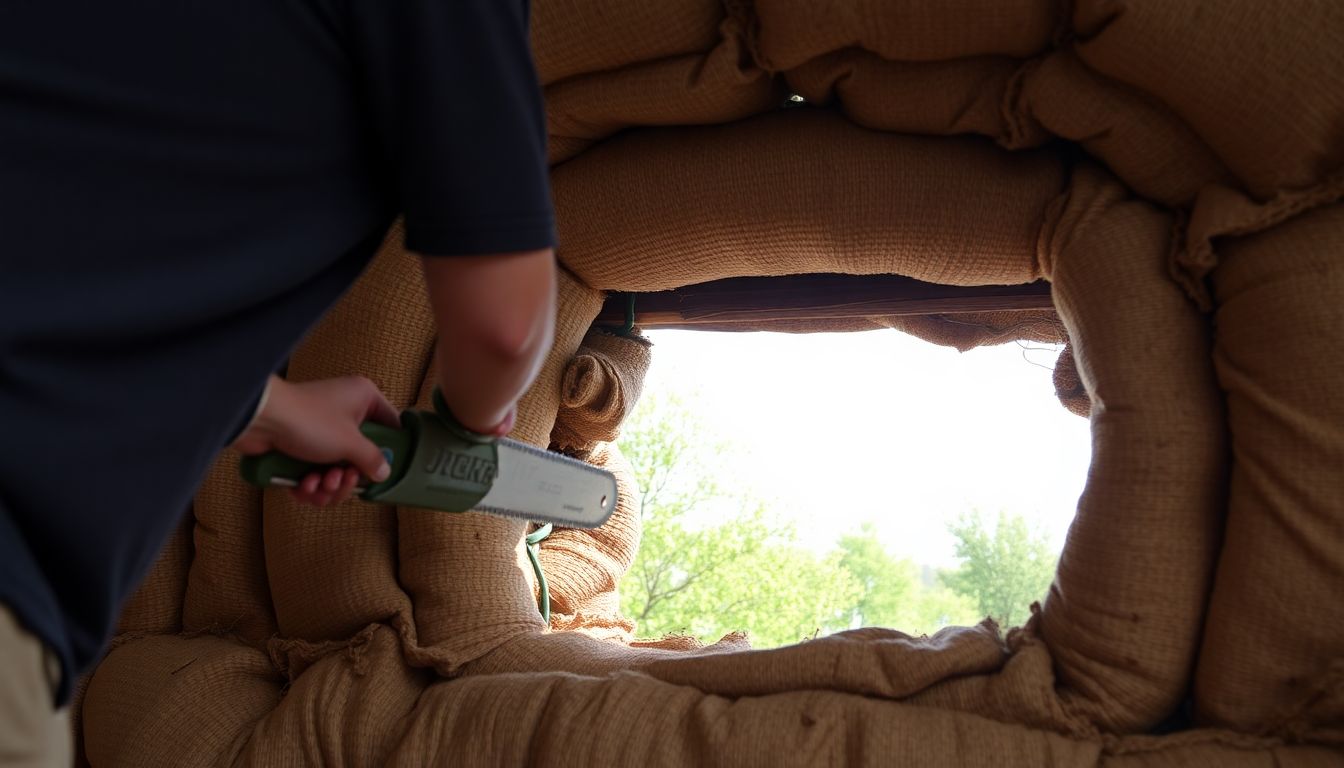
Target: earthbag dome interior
(1174, 172)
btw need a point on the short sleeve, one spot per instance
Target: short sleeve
(458, 115)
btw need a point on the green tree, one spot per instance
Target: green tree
(1005, 566)
(889, 585)
(742, 571)
(936, 606)
(893, 592)
(666, 444)
(712, 561)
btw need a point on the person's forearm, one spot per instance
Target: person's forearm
(496, 320)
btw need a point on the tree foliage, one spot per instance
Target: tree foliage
(745, 572)
(712, 561)
(742, 574)
(1006, 566)
(894, 592)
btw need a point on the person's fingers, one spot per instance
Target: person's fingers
(380, 410)
(336, 486)
(332, 480)
(367, 457)
(347, 489)
(369, 400)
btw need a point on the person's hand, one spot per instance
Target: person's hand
(318, 421)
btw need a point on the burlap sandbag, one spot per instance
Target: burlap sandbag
(631, 719)
(960, 330)
(1261, 83)
(1122, 618)
(1069, 384)
(574, 37)
(871, 661)
(793, 31)
(963, 669)
(717, 86)
(154, 609)
(468, 575)
(227, 592)
(156, 605)
(600, 386)
(1222, 212)
(1201, 749)
(175, 702)
(583, 567)
(346, 710)
(802, 191)
(352, 707)
(1021, 104)
(1140, 139)
(966, 331)
(334, 570)
(470, 582)
(1273, 655)
(591, 649)
(1024, 690)
(925, 98)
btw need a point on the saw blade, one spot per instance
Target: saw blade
(542, 486)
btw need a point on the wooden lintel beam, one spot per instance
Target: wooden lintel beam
(799, 297)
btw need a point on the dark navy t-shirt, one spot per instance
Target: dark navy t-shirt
(185, 187)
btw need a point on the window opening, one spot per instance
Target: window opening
(796, 485)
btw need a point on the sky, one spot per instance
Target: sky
(836, 429)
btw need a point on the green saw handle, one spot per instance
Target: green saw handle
(436, 463)
(264, 469)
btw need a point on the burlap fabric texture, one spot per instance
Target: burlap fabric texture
(1175, 171)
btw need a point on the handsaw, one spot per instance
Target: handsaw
(438, 464)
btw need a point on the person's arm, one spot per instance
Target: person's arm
(455, 106)
(496, 320)
(456, 109)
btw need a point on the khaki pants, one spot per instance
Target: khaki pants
(32, 733)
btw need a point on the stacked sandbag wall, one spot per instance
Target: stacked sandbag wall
(1174, 171)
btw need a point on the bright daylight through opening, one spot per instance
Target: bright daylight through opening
(796, 485)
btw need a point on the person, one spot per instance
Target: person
(185, 187)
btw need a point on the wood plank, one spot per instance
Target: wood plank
(827, 296)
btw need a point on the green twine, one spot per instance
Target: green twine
(629, 327)
(534, 554)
